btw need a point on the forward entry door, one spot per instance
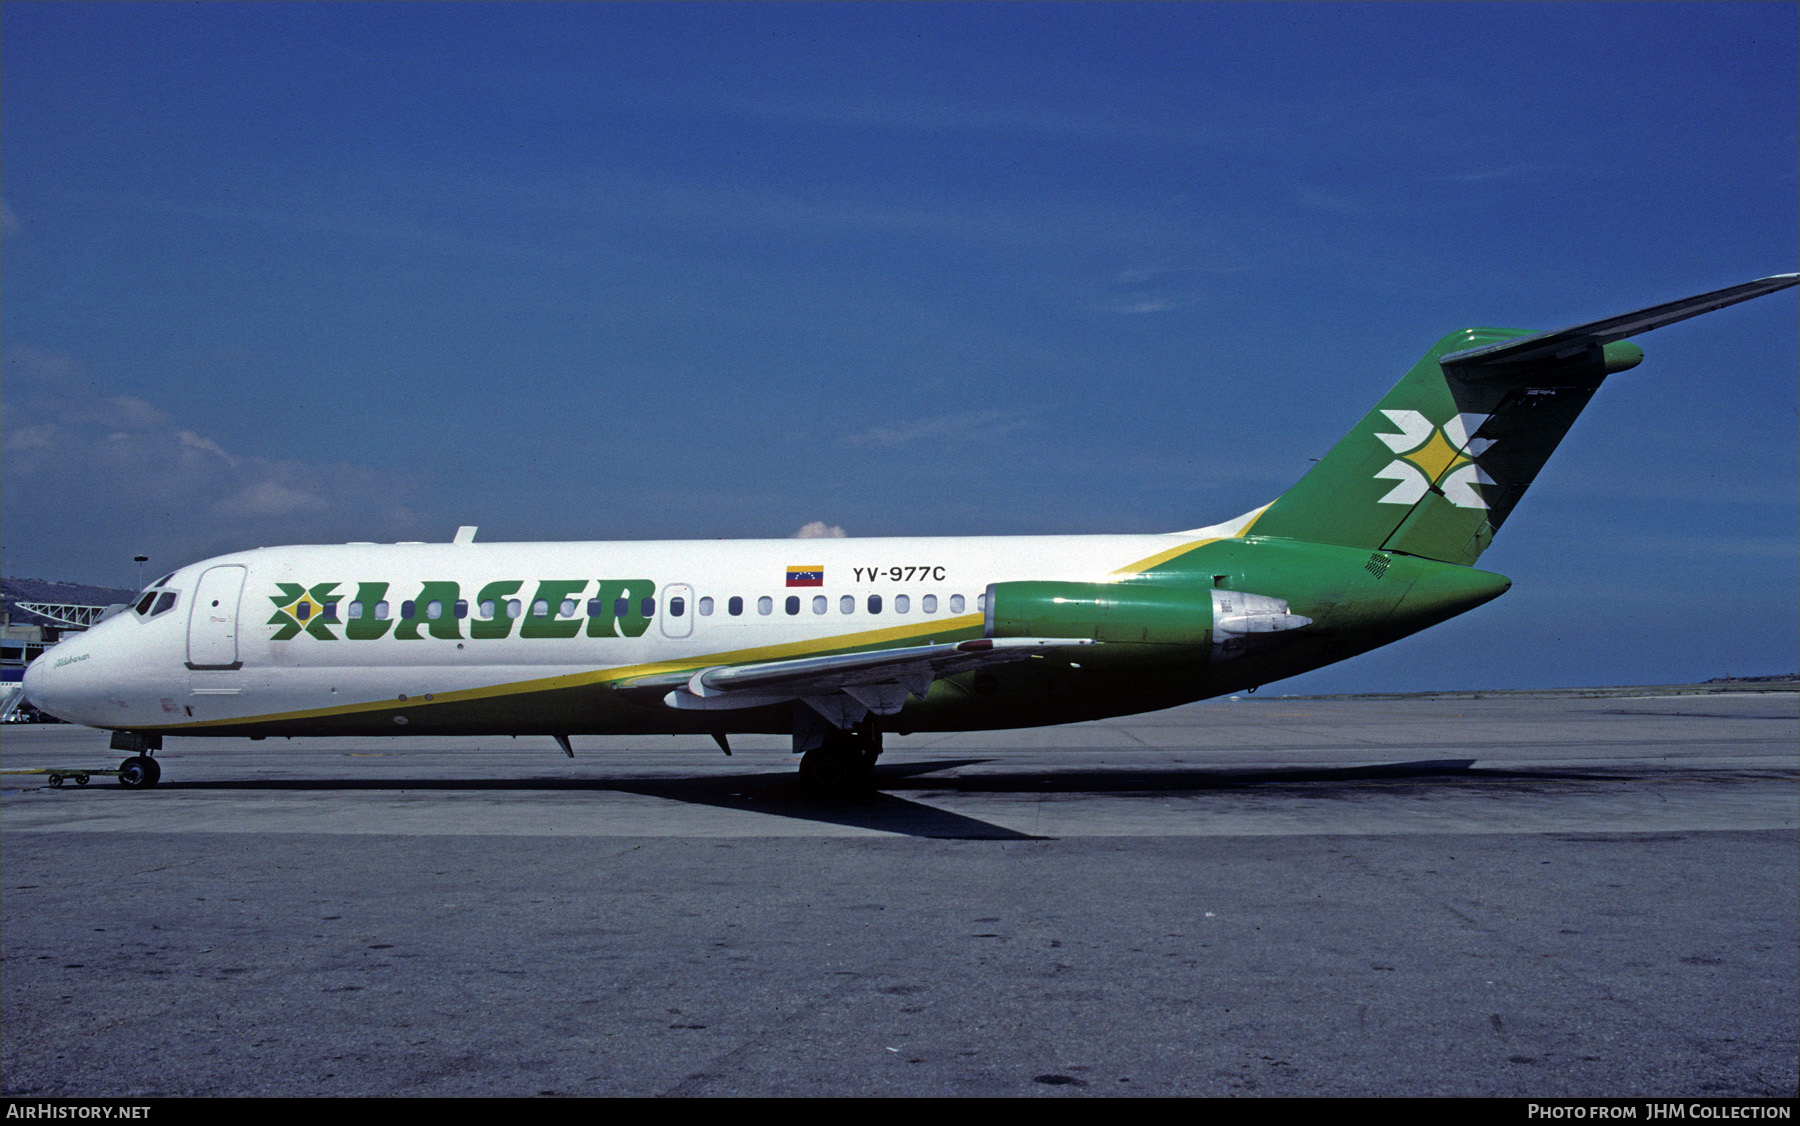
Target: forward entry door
(212, 623)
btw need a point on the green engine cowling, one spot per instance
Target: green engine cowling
(1231, 622)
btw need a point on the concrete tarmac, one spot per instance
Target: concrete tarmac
(1547, 894)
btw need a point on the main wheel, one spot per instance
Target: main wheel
(823, 770)
(843, 765)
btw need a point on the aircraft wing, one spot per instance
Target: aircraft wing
(844, 686)
(1565, 342)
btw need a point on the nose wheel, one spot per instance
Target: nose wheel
(139, 772)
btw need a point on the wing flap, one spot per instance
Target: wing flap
(878, 681)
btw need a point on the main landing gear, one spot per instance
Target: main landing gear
(843, 764)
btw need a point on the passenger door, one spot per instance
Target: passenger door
(212, 623)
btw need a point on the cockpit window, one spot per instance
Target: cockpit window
(162, 581)
(156, 602)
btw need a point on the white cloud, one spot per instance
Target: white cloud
(269, 498)
(1317, 199)
(107, 476)
(130, 413)
(819, 530)
(193, 441)
(1164, 289)
(1507, 172)
(964, 425)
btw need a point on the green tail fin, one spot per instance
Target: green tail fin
(1442, 460)
(1437, 466)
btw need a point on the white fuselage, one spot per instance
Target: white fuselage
(274, 633)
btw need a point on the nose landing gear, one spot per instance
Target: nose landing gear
(139, 772)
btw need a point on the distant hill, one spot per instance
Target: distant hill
(14, 591)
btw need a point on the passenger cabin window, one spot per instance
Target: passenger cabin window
(406, 609)
(329, 613)
(568, 608)
(487, 608)
(677, 607)
(765, 605)
(820, 602)
(956, 603)
(706, 606)
(874, 603)
(793, 604)
(847, 605)
(902, 604)
(513, 606)
(734, 606)
(462, 607)
(648, 607)
(928, 604)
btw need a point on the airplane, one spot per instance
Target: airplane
(838, 641)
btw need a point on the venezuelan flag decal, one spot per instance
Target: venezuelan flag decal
(806, 576)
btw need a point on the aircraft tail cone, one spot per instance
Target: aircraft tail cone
(1443, 592)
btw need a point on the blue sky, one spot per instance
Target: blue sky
(310, 273)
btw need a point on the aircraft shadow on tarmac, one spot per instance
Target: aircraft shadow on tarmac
(779, 794)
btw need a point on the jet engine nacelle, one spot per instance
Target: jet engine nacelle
(1231, 622)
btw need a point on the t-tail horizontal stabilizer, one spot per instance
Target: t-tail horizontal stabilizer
(1565, 343)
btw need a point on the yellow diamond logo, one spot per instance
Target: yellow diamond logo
(1435, 456)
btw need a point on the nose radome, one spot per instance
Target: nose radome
(37, 684)
(69, 679)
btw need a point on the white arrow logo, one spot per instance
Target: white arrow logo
(1428, 452)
